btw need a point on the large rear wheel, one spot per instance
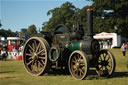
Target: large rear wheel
(35, 56)
(78, 65)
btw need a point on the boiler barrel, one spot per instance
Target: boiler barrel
(87, 46)
(73, 46)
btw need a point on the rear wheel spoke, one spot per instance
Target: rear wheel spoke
(40, 57)
(40, 51)
(28, 54)
(37, 47)
(29, 62)
(31, 48)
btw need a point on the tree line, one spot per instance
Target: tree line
(108, 16)
(24, 32)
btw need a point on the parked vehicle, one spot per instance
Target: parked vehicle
(66, 49)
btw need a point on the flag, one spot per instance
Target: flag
(115, 27)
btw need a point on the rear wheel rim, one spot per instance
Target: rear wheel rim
(35, 56)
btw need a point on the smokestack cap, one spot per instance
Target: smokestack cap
(89, 8)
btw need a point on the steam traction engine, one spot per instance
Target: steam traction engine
(68, 50)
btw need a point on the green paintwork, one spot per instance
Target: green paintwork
(62, 29)
(74, 35)
(62, 38)
(73, 46)
(54, 54)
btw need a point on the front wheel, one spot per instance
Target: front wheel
(106, 63)
(78, 65)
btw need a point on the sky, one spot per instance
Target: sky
(18, 14)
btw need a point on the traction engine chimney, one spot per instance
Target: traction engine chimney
(90, 22)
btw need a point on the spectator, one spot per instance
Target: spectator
(127, 62)
(14, 49)
(4, 54)
(123, 48)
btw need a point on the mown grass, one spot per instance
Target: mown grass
(14, 73)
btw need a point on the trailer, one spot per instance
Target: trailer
(14, 44)
(108, 40)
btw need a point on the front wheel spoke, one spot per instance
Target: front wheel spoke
(101, 68)
(106, 68)
(81, 71)
(100, 58)
(105, 56)
(82, 64)
(76, 72)
(78, 56)
(108, 59)
(108, 65)
(74, 69)
(99, 63)
(73, 61)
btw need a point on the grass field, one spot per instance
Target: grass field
(14, 73)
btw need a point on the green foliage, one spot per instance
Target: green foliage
(119, 16)
(32, 30)
(104, 20)
(23, 32)
(66, 14)
(7, 33)
(0, 24)
(60, 15)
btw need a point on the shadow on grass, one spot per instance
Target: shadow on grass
(92, 75)
(58, 72)
(120, 74)
(6, 77)
(7, 72)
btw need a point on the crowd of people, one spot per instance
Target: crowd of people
(3, 52)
